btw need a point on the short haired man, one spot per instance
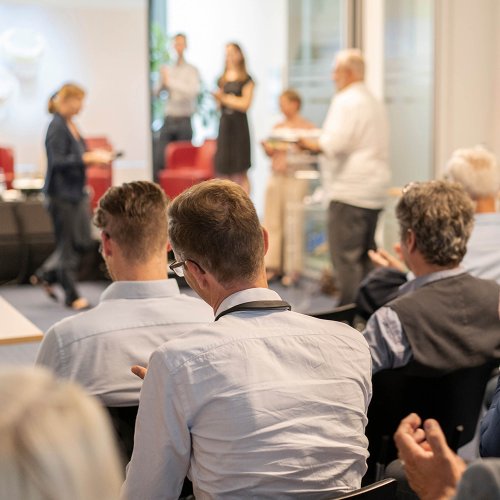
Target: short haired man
(436, 220)
(355, 171)
(183, 83)
(141, 310)
(264, 402)
(477, 170)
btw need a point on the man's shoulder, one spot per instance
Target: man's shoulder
(205, 338)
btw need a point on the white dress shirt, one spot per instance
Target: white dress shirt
(354, 142)
(96, 348)
(183, 88)
(260, 404)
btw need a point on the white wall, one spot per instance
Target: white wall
(259, 26)
(467, 76)
(102, 46)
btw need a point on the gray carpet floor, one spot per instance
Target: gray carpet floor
(32, 302)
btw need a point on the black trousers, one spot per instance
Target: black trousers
(175, 128)
(351, 233)
(71, 222)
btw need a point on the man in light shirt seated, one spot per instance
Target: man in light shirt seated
(262, 403)
(141, 310)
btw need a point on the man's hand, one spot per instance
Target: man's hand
(140, 371)
(432, 469)
(309, 145)
(382, 258)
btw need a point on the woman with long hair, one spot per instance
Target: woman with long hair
(67, 200)
(232, 158)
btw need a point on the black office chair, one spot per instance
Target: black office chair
(381, 490)
(123, 420)
(344, 314)
(454, 400)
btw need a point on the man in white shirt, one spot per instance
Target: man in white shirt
(137, 313)
(182, 81)
(262, 403)
(356, 175)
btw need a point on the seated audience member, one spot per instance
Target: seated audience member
(141, 310)
(283, 189)
(489, 445)
(476, 169)
(435, 472)
(262, 403)
(55, 441)
(421, 326)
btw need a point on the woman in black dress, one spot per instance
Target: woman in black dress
(67, 200)
(232, 159)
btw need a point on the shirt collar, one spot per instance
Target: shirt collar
(429, 278)
(249, 295)
(141, 289)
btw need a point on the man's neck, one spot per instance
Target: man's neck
(223, 292)
(156, 269)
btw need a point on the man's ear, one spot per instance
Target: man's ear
(197, 273)
(265, 235)
(106, 244)
(411, 241)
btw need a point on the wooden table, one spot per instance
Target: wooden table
(19, 337)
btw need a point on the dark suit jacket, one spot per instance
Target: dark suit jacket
(490, 428)
(65, 178)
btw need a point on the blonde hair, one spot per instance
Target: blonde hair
(477, 170)
(68, 90)
(352, 59)
(55, 441)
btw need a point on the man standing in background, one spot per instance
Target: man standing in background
(182, 81)
(355, 172)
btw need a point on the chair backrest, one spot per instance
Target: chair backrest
(344, 314)
(205, 158)
(180, 154)
(453, 399)
(123, 419)
(7, 164)
(98, 142)
(381, 490)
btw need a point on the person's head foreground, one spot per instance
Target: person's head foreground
(55, 441)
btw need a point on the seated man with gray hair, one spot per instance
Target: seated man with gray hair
(262, 403)
(444, 322)
(476, 169)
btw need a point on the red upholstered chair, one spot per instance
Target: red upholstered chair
(99, 177)
(7, 164)
(186, 165)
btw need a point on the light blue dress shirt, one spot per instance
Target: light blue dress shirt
(96, 348)
(260, 404)
(389, 345)
(483, 248)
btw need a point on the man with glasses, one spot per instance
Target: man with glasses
(141, 310)
(264, 402)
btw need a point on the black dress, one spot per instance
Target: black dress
(233, 142)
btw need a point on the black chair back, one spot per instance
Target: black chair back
(381, 490)
(123, 420)
(454, 400)
(344, 314)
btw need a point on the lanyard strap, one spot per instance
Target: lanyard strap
(257, 305)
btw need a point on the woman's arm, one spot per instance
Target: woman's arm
(239, 103)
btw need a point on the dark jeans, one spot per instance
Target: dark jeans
(71, 222)
(174, 129)
(351, 233)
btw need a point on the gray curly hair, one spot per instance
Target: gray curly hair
(441, 215)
